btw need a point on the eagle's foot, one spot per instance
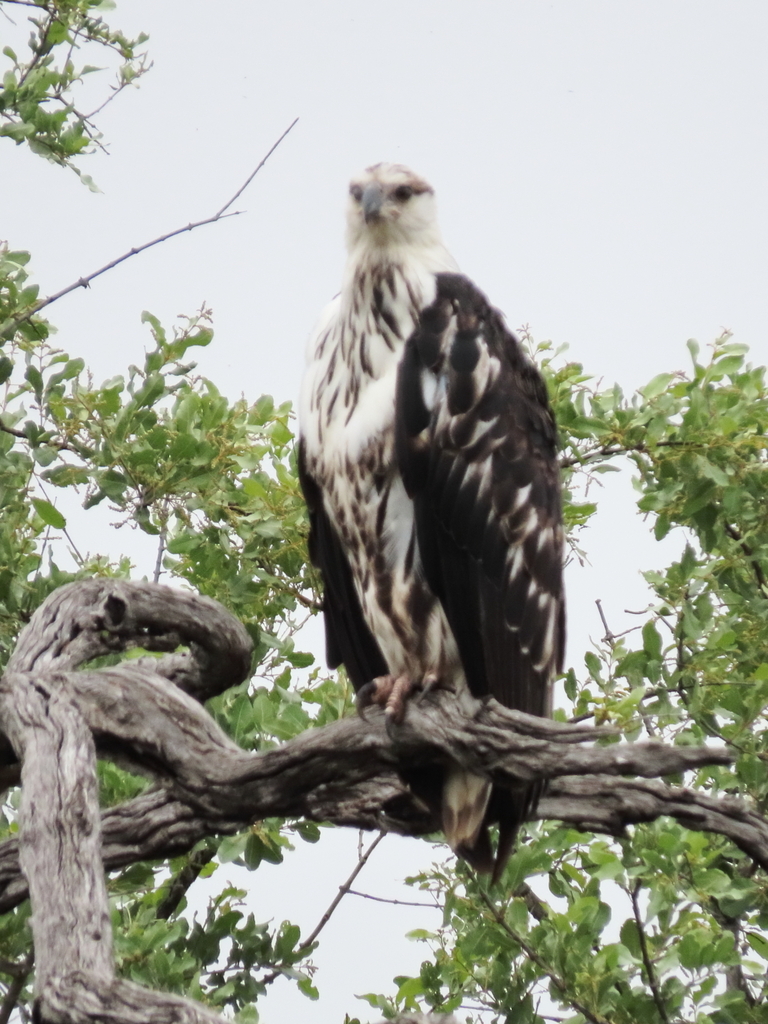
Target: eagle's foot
(390, 693)
(428, 684)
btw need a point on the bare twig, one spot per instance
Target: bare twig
(647, 961)
(84, 282)
(67, 534)
(609, 636)
(343, 890)
(247, 182)
(160, 552)
(142, 69)
(394, 903)
(363, 859)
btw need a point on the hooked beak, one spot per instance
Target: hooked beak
(372, 201)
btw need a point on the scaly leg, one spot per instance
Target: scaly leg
(390, 693)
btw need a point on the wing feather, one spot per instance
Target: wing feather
(348, 640)
(476, 445)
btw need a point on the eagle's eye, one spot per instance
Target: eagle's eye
(356, 192)
(403, 192)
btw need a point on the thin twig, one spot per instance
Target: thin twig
(242, 189)
(531, 953)
(537, 908)
(39, 51)
(117, 89)
(160, 553)
(15, 988)
(84, 282)
(343, 890)
(647, 962)
(64, 530)
(395, 903)
(607, 451)
(60, 446)
(609, 636)
(308, 602)
(12, 430)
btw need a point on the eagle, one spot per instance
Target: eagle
(427, 458)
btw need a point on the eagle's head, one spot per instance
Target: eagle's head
(390, 206)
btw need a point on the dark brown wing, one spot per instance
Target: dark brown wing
(348, 640)
(476, 445)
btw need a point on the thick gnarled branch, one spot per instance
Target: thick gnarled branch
(146, 713)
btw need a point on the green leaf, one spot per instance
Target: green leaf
(652, 641)
(655, 387)
(49, 514)
(35, 378)
(759, 943)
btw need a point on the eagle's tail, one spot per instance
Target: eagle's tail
(466, 813)
(465, 801)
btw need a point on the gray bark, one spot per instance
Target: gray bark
(146, 714)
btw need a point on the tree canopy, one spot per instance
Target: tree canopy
(657, 923)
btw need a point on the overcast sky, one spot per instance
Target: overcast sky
(601, 173)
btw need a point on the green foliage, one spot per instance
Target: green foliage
(215, 960)
(37, 106)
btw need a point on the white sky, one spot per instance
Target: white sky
(601, 171)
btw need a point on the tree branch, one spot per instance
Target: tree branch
(84, 282)
(178, 886)
(607, 451)
(20, 973)
(394, 903)
(647, 962)
(146, 713)
(12, 430)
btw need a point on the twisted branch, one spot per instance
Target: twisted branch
(146, 713)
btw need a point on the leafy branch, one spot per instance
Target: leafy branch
(558, 983)
(35, 100)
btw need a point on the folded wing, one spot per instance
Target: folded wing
(476, 445)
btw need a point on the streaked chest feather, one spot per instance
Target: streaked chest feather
(349, 387)
(348, 407)
(348, 415)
